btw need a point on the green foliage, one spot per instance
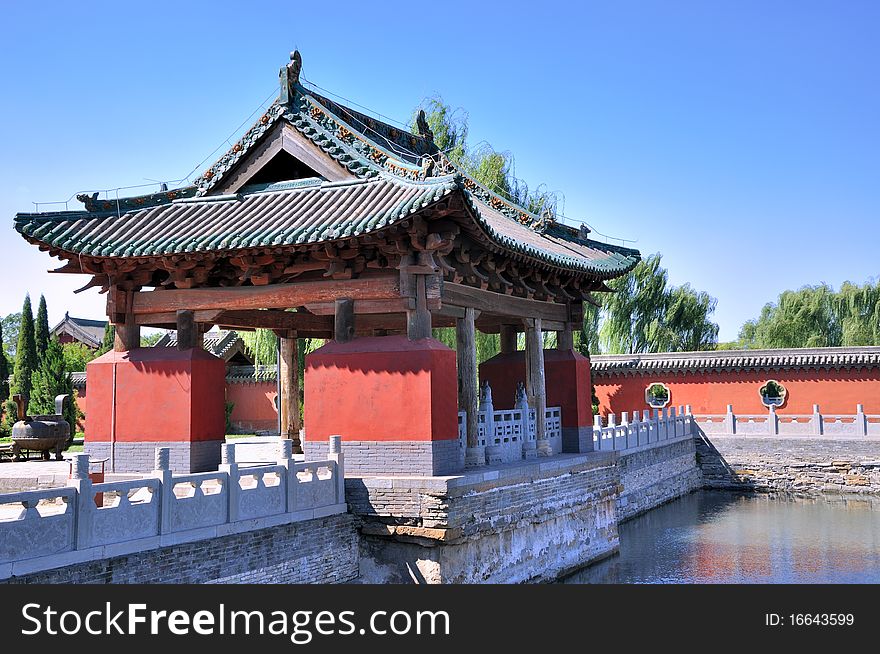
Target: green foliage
(149, 340)
(50, 380)
(76, 356)
(817, 316)
(41, 329)
(645, 314)
(25, 354)
(11, 326)
(262, 345)
(773, 390)
(486, 345)
(494, 170)
(109, 338)
(4, 371)
(658, 392)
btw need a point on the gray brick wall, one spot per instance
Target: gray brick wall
(395, 457)
(804, 465)
(656, 475)
(324, 550)
(200, 456)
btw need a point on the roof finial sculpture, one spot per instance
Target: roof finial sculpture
(584, 232)
(289, 77)
(423, 127)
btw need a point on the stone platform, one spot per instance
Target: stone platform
(512, 523)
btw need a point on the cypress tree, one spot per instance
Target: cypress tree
(25, 354)
(50, 380)
(109, 338)
(4, 371)
(41, 329)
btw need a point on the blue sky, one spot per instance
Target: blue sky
(739, 139)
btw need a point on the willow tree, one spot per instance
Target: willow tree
(645, 314)
(817, 316)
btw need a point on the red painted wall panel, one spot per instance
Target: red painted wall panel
(384, 388)
(835, 391)
(254, 408)
(162, 394)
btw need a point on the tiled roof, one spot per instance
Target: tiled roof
(395, 173)
(305, 211)
(736, 360)
(250, 374)
(222, 343)
(90, 332)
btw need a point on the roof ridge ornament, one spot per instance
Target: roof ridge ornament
(422, 125)
(288, 77)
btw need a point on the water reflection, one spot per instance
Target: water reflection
(717, 537)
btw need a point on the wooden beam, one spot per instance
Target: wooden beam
(466, 354)
(285, 320)
(271, 296)
(502, 305)
(343, 323)
(393, 305)
(170, 317)
(288, 402)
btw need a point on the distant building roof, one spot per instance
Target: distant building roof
(88, 332)
(736, 360)
(225, 344)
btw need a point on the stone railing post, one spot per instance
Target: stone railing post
(284, 457)
(816, 421)
(636, 427)
(337, 456)
(730, 421)
(492, 453)
(772, 421)
(230, 467)
(597, 432)
(861, 420)
(162, 472)
(83, 504)
(530, 447)
(689, 420)
(673, 423)
(612, 426)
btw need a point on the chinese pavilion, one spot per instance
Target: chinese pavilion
(324, 222)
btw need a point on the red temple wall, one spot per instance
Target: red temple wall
(254, 406)
(835, 391)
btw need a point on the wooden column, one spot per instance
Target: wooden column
(288, 402)
(535, 383)
(188, 332)
(565, 338)
(343, 324)
(508, 339)
(418, 320)
(128, 335)
(466, 353)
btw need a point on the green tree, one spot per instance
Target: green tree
(4, 371)
(50, 380)
(108, 340)
(41, 329)
(25, 357)
(11, 326)
(149, 340)
(494, 170)
(645, 314)
(76, 356)
(262, 345)
(817, 316)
